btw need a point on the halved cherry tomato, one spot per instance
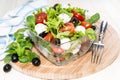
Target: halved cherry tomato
(68, 27)
(41, 17)
(49, 37)
(78, 16)
(57, 50)
(86, 24)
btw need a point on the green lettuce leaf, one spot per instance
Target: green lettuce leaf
(91, 34)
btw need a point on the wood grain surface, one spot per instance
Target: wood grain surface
(76, 69)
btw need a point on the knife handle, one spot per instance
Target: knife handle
(103, 28)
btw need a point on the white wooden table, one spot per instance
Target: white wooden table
(110, 11)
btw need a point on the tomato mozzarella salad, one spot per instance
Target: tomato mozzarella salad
(60, 26)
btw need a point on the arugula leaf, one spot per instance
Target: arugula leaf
(93, 19)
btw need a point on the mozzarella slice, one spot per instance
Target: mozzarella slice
(65, 17)
(39, 28)
(65, 44)
(80, 28)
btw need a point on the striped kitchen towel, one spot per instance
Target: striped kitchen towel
(13, 21)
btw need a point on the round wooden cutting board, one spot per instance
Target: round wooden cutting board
(76, 69)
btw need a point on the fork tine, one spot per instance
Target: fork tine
(93, 53)
(96, 53)
(100, 54)
(94, 50)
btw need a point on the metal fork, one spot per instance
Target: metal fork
(98, 47)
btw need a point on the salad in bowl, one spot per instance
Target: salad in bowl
(60, 34)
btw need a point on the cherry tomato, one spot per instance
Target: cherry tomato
(86, 24)
(49, 37)
(57, 50)
(41, 17)
(78, 16)
(68, 27)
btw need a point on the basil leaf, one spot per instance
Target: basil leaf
(94, 18)
(19, 34)
(7, 58)
(30, 21)
(12, 45)
(32, 55)
(23, 59)
(10, 51)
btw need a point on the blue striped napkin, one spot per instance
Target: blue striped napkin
(9, 25)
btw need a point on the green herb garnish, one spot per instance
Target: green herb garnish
(22, 46)
(94, 18)
(30, 21)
